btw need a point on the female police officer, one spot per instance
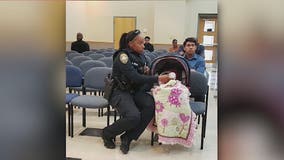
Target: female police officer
(130, 95)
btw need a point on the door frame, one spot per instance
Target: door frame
(203, 15)
(208, 15)
(135, 17)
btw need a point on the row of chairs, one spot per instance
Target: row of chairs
(87, 53)
(198, 88)
(80, 59)
(111, 50)
(150, 56)
(98, 50)
(93, 78)
(85, 66)
(103, 50)
(99, 55)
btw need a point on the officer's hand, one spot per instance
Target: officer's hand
(164, 79)
(146, 70)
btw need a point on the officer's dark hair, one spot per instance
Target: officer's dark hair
(123, 44)
(174, 40)
(147, 37)
(123, 41)
(131, 35)
(190, 39)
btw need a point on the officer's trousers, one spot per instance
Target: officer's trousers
(137, 111)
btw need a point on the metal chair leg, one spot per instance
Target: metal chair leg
(114, 115)
(205, 123)
(69, 120)
(72, 125)
(202, 131)
(102, 112)
(84, 117)
(198, 121)
(152, 138)
(108, 114)
(99, 113)
(206, 104)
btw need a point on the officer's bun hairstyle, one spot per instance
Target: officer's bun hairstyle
(132, 34)
(190, 39)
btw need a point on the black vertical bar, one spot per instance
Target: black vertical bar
(206, 105)
(72, 129)
(114, 115)
(69, 120)
(152, 138)
(108, 114)
(84, 117)
(202, 131)
(70, 91)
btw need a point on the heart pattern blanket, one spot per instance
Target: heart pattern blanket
(174, 121)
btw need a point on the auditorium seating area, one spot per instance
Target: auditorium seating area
(87, 112)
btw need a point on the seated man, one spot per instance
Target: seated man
(148, 45)
(80, 45)
(195, 61)
(200, 50)
(175, 47)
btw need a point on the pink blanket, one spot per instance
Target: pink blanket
(174, 121)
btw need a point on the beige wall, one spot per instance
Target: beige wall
(161, 20)
(193, 8)
(97, 23)
(169, 21)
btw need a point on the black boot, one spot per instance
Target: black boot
(108, 142)
(125, 143)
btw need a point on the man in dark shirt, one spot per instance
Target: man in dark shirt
(80, 45)
(148, 45)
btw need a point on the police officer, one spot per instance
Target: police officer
(130, 95)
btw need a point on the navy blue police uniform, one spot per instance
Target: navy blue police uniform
(130, 95)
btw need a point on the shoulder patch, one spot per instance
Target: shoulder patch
(123, 58)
